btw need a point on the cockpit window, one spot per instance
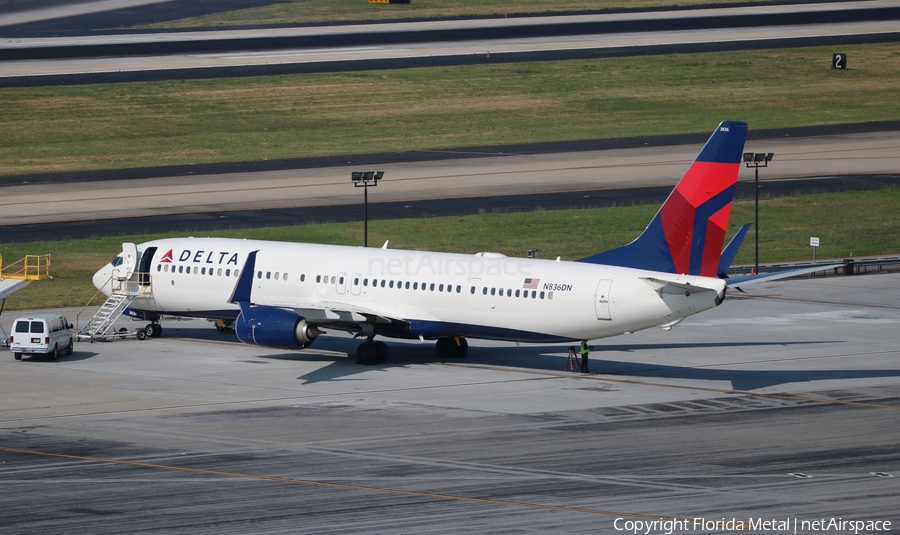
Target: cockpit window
(117, 261)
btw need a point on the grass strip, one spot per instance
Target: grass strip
(109, 126)
(857, 223)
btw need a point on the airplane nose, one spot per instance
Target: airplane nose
(101, 279)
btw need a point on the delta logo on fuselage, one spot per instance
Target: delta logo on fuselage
(203, 257)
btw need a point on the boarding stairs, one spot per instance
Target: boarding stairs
(100, 324)
(125, 284)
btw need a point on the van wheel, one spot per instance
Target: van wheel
(71, 348)
(17, 356)
(55, 353)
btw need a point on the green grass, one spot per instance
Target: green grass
(303, 11)
(108, 126)
(861, 223)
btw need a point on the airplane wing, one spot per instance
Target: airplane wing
(317, 312)
(10, 286)
(322, 312)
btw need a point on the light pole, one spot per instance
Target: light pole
(757, 160)
(364, 179)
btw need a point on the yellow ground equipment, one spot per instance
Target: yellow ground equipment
(33, 267)
(18, 275)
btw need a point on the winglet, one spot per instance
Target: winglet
(244, 286)
(731, 249)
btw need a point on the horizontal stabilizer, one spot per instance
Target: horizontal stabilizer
(675, 288)
(778, 275)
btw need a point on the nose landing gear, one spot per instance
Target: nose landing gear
(154, 330)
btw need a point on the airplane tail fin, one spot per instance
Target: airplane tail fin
(687, 234)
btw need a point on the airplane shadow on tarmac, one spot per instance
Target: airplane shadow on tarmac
(553, 358)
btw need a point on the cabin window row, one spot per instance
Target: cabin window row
(387, 283)
(518, 293)
(383, 283)
(196, 270)
(277, 276)
(408, 285)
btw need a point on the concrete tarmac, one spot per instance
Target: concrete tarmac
(452, 178)
(780, 404)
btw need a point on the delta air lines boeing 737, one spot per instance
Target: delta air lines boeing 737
(284, 295)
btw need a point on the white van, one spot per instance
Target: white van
(41, 334)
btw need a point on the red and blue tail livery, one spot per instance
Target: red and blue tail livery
(687, 234)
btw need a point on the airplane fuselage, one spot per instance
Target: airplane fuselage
(485, 296)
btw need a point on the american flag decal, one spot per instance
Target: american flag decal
(531, 284)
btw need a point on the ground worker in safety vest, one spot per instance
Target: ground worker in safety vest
(585, 351)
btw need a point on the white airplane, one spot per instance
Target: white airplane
(283, 295)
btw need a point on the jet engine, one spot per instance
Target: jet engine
(275, 327)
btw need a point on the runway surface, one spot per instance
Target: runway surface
(460, 185)
(778, 405)
(322, 59)
(140, 55)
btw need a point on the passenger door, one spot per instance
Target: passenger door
(129, 260)
(601, 299)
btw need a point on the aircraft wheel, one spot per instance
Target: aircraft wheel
(17, 356)
(154, 330)
(451, 347)
(71, 348)
(366, 354)
(462, 349)
(383, 352)
(442, 348)
(142, 335)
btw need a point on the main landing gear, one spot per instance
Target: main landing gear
(370, 352)
(451, 347)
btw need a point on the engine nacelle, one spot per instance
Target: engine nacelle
(275, 327)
